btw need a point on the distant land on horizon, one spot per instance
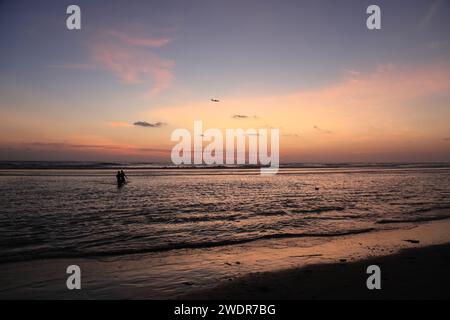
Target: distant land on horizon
(154, 165)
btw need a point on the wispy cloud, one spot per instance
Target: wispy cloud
(140, 42)
(291, 135)
(322, 130)
(59, 146)
(67, 145)
(432, 9)
(135, 64)
(131, 59)
(150, 125)
(351, 72)
(243, 116)
(239, 116)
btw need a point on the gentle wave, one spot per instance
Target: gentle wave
(318, 210)
(67, 253)
(415, 219)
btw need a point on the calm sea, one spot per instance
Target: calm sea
(62, 210)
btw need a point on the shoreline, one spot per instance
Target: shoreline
(415, 273)
(230, 270)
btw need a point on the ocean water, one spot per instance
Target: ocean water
(49, 213)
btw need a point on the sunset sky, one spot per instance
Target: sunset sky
(336, 90)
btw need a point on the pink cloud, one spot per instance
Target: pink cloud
(140, 42)
(133, 61)
(388, 83)
(84, 151)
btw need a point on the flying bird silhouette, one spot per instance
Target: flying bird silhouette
(215, 100)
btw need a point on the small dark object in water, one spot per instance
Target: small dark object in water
(412, 241)
(342, 260)
(316, 188)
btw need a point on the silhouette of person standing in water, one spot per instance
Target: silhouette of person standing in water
(123, 176)
(119, 178)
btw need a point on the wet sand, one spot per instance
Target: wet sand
(292, 268)
(421, 273)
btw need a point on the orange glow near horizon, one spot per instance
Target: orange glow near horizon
(386, 112)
